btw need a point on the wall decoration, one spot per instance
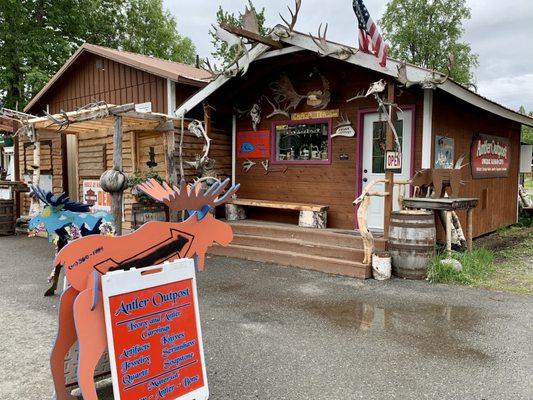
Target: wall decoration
(315, 115)
(255, 115)
(444, 152)
(161, 299)
(95, 196)
(251, 145)
(344, 128)
(286, 95)
(490, 157)
(247, 165)
(302, 141)
(86, 260)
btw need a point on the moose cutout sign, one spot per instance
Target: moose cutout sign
(86, 260)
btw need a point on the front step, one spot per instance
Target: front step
(289, 258)
(285, 231)
(299, 246)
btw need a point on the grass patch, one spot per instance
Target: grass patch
(477, 265)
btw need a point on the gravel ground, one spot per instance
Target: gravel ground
(282, 333)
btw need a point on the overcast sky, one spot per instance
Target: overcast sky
(501, 33)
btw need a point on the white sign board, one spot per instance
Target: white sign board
(153, 331)
(95, 196)
(526, 159)
(144, 107)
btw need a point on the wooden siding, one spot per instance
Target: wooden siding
(335, 185)
(498, 196)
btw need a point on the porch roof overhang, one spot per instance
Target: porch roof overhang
(102, 117)
(300, 42)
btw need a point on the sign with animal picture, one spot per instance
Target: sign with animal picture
(88, 260)
(154, 334)
(253, 144)
(490, 157)
(444, 152)
(94, 196)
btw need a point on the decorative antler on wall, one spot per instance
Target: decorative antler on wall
(276, 109)
(197, 128)
(286, 95)
(329, 49)
(431, 81)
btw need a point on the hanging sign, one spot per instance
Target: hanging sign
(95, 196)
(490, 157)
(253, 144)
(393, 160)
(153, 333)
(315, 114)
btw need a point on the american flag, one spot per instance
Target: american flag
(369, 33)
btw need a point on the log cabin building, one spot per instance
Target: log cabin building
(287, 133)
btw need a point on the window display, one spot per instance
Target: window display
(302, 141)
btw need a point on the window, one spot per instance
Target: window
(379, 137)
(302, 141)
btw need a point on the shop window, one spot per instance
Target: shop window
(379, 137)
(302, 141)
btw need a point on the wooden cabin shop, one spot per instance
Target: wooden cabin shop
(309, 132)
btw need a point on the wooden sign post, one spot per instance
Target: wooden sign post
(389, 174)
(153, 333)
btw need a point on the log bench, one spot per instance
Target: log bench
(311, 215)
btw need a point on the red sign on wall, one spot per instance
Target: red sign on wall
(253, 144)
(156, 340)
(490, 157)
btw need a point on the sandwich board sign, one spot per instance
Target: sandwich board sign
(153, 333)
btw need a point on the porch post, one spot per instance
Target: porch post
(389, 175)
(427, 126)
(116, 196)
(233, 149)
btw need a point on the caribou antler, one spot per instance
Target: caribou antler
(376, 87)
(211, 69)
(188, 197)
(328, 49)
(431, 81)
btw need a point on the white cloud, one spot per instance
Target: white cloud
(514, 91)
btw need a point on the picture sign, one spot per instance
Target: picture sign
(490, 157)
(153, 333)
(254, 144)
(444, 152)
(95, 196)
(393, 160)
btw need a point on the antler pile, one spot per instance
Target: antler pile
(188, 197)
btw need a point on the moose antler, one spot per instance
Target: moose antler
(188, 197)
(276, 109)
(284, 93)
(328, 49)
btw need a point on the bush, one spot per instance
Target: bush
(477, 264)
(141, 177)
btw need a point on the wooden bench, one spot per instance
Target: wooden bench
(311, 215)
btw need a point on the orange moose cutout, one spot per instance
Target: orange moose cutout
(81, 311)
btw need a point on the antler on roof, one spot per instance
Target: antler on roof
(188, 197)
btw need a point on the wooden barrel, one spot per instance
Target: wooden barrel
(7, 217)
(411, 242)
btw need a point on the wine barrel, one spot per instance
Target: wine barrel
(7, 217)
(412, 238)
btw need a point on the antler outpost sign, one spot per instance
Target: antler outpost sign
(490, 157)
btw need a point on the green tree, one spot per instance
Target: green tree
(38, 36)
(424, 32)
(222, 53)
(527, 131)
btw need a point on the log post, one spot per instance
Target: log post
(170, 163)
(116, 197)
(469, 229)
(114, 181)
(449, 233)
(389, 175)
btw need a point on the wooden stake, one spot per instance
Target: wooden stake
(389, 175)
(116, 197)
(469, 232)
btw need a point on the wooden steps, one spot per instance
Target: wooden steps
(326, 250)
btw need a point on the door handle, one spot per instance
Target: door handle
(365, 180)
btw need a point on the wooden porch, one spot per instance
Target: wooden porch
(334, 251)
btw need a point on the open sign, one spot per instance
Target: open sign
(393, 160)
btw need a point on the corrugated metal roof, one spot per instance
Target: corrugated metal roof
(175, 71)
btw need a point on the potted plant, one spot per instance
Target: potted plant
(141, 177)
